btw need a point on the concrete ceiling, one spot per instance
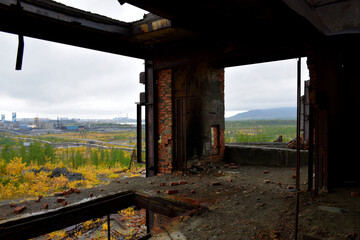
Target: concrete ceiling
(227, 33)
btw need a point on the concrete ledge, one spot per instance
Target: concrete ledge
(264, 154)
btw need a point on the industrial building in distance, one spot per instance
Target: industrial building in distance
(73, 124)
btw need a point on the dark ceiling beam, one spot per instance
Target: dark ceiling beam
(228, 55)
(47, 20)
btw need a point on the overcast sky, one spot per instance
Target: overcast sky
(65, 81)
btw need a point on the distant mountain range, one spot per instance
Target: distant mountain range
(265, 114)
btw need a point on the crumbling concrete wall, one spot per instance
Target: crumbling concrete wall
(202, 86)
(264, 155)
(190, 116)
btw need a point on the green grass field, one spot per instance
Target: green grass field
(259, 130)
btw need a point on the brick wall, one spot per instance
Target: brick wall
(165, 116)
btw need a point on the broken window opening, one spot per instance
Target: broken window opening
(215, 140)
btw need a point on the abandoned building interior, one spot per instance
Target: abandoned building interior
(186, 46)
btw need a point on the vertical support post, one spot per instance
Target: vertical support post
(317, 158)
(150, 220)
(139, 133)
(298, 146)
(108, 223)
(309, 134)
(311, 150)
(150, 119)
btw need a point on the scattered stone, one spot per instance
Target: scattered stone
(91, 194)
(183, 182)
(266, 181)
(192, 191)
(58, 193)
(172, 191)
(64, 203)
(19, 209)
(101, 189)
(214, 183)
(76, 191)
(266, 171)
(60, 199)
(57, 172)
(354, 194)
(12, 205)
(46, 206)
(260, 204)
(333, 209)
(75, 177)
(173, 183)
(229, 180)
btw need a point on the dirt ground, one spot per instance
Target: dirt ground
(241, 203)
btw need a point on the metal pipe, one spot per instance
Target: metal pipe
(298, 146)
(139, 134)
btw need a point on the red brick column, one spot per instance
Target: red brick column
(165, 116)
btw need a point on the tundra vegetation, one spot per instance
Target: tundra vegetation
(259, 130)
(26, 171)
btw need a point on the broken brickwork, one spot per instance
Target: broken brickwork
(165, 121)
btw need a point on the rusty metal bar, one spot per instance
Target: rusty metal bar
(298, 146)
(139, 134)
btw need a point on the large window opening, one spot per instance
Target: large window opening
(260, 101)
(69, 118)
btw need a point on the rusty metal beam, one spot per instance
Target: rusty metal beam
(42, 223)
